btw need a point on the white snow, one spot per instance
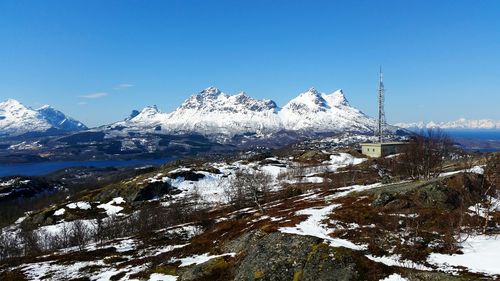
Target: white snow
(16, 119)
(199, 259)
(60, 212)
(162, 277)
(313, 227)
(214, 113)
(394, 277)
(343, 160)
(475, 169)
(79, 205)
(110, 207)
(395, 260)
(461, 123)
(481, 254)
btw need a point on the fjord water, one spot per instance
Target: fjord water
(42, 168)
(475, 134)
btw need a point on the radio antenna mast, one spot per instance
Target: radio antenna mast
(381, 114)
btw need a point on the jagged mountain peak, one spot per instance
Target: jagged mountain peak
(211, 92)
(147, 113)
(311, 100)
(59, 120)
(336, 98)
(212, 99)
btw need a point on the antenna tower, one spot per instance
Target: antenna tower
(381, 113)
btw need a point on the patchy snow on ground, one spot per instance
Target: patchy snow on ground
(162, 277)
(313, 226)
(199, 259)
(79, 205)
(395, 260)
(344, 191)
(60, 212)
(154, 251)
(475, 169)
(481, 254)
(481, 210)
(211, 188)
(110, 207)
(59, 228)
(342, 160)
(394, 277)
(124, 245)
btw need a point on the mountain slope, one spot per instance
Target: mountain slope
(214, 113)
(17, 119)
(319, 112)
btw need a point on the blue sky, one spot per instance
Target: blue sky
(97, 60)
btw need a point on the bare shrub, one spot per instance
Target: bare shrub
(80, 234)
(246, 187)
(424, 156)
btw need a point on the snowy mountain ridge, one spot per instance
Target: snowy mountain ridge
(18, 119)
(461, 123)
(213, 112)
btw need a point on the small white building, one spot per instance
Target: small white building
(381, 149)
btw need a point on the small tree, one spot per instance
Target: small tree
(424, 156)
(247, 187)
(80, 234)
(492, 189)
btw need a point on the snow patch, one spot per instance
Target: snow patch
(481, 254)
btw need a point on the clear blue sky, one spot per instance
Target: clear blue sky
(441, 58)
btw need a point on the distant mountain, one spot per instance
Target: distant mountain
(320, 112)
(212, 112)
(17, 119)
(461, 123)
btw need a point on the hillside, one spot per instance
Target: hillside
(316, 214)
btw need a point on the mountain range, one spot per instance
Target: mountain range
(209, 112)
(461, 123)
(18, 119)
(213, 112)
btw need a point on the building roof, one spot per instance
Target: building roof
(382, 144)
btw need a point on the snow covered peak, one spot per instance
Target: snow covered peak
(11, 104)
(336, 98)
(146, 114)
(210, 92)
(214, 112)
(212, 99)
(319, 112)
(307, 102)
(17, 119)
(59, 120)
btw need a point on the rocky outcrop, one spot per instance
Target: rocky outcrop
(280, 256)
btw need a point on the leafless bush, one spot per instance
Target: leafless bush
(80, 234)
(424, 156)
(246, 187)
(491, 196)
(9, 245)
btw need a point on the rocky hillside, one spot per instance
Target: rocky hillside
(300, 214)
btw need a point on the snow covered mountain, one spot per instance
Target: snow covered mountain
(212, 112)
(17, 119)
(461, 123)
(319, 112)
